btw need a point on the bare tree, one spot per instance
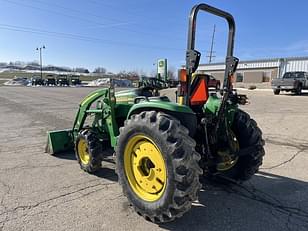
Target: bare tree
(100, 70)
(81, 70)
(171, 73)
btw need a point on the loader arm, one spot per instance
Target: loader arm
(64, 140)
(104, 110)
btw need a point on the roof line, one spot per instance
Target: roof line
(260, 60)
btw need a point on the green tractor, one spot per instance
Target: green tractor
(162, 148)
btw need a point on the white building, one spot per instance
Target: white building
(257, 71)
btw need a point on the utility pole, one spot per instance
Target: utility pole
(211, 54)
(41, 63)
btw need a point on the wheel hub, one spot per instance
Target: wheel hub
(228, 159)
(83, 151)
(145, 168)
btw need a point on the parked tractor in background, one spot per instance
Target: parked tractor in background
(162, 148)
(37, 81)
(172, 83)
(75, 80)
(156, 83)
(62, 80)
(50, 80)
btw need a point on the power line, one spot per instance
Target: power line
(103, 25)
(88, 13)
(78, 37)
(55, 12)
(100, 3)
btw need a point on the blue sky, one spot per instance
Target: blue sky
(132, 35)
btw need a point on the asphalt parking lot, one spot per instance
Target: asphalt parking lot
(42, 192)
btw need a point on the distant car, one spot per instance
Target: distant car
(294, 81)
(173, 83)
(212, 82)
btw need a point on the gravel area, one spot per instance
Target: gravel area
(43, 192)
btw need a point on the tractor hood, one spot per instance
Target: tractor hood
(127, 96)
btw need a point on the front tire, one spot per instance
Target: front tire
(157, 166)
(276, 91)
(88, 151)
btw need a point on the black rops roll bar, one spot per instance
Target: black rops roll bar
(193, 56)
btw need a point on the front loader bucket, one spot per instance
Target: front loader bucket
(59, 141)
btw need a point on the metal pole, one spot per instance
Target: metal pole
(212, 44)
(41, 62)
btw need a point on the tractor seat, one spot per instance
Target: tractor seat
(144, 91)
(199, 92)
(139, 99)
(159, 98)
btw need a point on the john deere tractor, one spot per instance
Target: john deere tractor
(163, 148)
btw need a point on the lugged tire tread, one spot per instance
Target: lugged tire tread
(95, 148)
(186, 183)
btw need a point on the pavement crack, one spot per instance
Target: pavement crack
(284, 162)
(294, 144)
(301, 146)
(26, 166)
(103, 186)
(27, 207)
(255, 194)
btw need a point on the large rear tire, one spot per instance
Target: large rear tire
(249, 137)
(276, 91)
(157, 166)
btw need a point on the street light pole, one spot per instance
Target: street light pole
(41, 63)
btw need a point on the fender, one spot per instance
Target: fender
(212, 107)
(181, 112)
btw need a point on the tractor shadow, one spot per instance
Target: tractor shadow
(107, 173)
(266, 202)
(68, 155)
(108, 164)
(108, 169)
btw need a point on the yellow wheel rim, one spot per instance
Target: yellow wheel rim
(145, 168)
(83, 151)
(227, 161)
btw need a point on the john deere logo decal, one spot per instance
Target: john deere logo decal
(161, 63)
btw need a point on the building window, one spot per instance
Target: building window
(267, 76)
(239, 77)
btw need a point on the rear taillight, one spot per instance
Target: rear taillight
(182, 87)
